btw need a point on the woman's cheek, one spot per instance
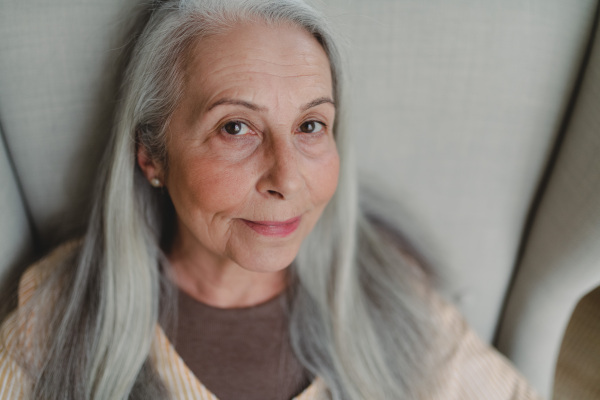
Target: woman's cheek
(325, 175)
(217, 185)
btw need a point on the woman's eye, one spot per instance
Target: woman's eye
(311, 127)
(236, 128)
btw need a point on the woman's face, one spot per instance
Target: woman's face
(252, 157)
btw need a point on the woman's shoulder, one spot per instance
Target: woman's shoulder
(469, 368)
(40, 271)
(15, 342)
(37, 286)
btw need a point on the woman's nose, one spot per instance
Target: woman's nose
(282, 177)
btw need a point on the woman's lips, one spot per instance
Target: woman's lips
(274, 228)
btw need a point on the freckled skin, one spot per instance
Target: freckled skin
(276, 170)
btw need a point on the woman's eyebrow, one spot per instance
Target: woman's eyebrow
(255, 107)
(236, 102)
(316, 102)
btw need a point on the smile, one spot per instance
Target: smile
(274, 228)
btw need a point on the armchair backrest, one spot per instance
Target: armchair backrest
(456, 106)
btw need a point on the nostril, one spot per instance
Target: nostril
(275, 193)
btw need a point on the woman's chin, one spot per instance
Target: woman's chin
(256, 253)
(265, 261)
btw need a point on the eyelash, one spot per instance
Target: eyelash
(249, 128)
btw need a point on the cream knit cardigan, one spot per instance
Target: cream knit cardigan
(472, 370)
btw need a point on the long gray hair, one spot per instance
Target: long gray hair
(357, 319)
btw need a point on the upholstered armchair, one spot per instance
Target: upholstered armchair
(481, 118)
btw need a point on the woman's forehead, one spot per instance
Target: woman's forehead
(255, 56)
(284, 39)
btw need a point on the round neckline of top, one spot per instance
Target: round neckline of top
(274, 303)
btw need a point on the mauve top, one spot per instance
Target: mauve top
(240, 353)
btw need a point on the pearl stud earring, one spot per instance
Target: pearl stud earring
(155, 182)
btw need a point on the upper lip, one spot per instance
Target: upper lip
(275, 223)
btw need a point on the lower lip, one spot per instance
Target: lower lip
(271, 228)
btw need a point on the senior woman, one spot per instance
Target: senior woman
(226, 255)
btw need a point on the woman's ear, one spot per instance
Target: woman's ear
(153, 170)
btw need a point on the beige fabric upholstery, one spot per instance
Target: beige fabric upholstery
(578, 367)
(16, 241)
(455, 106)
(56, 74)
(562, 258)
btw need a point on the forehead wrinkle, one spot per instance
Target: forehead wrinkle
(201, 99)
(307, 60)
(209, 60)
(303, 59)
(243, 76)
(221, 55)
(258, 70)
(235, 89)
(233, 70)
(240, 78)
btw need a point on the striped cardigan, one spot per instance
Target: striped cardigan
(472, 370)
